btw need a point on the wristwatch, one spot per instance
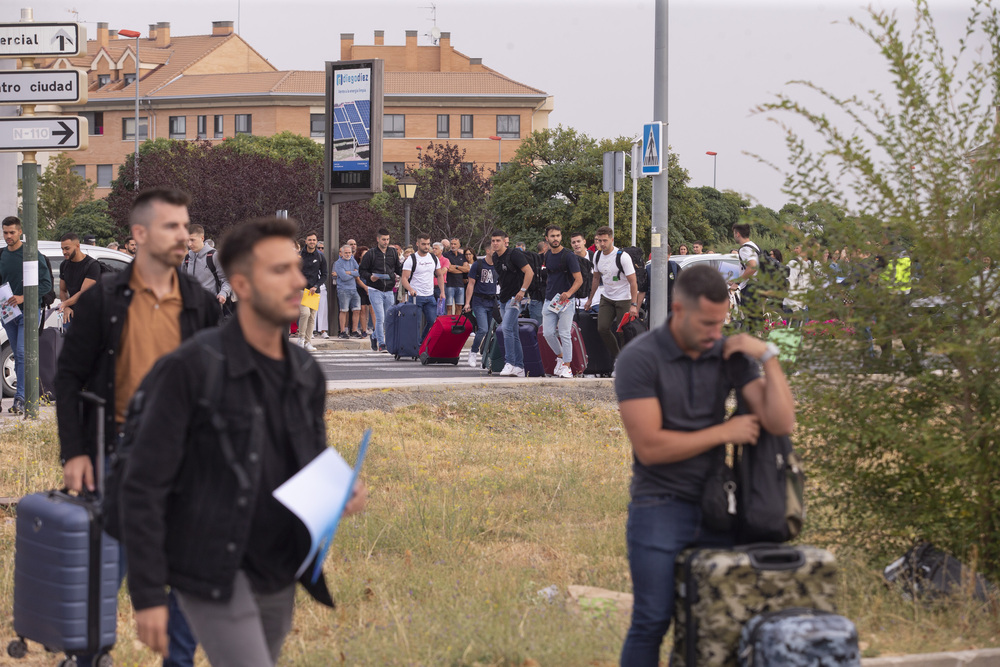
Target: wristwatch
(635, 304)
(771, 351)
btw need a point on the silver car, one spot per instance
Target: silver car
(111, 261)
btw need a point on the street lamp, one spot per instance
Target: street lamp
(499, 141)
(134, 33)
(407, 190)
(715, 161)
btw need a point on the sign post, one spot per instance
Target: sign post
(29, 133)
(614, 180)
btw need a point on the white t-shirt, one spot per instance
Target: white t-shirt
(749, 252)
(421, 278)
(798, 282)
(615, 285)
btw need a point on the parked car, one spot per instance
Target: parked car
(727, 265)
(111, 261)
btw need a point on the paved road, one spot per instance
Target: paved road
(366, 366)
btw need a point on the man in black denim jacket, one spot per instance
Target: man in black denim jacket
(198, 513)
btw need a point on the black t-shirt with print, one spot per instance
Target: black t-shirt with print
(509, 267)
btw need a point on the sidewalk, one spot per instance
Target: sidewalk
(988, 657)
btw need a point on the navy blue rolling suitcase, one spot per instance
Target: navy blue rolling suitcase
(66, 571)
(402, 330)
(528, 333)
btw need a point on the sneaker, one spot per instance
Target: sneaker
(508, 369)
(344, 335)
(559, 366)
(564, 372)
(17, 408)
(612, 373)
(518, 372)
(472, 359)
(326, 335)
(382, 348)
(309, 347)
(374, 342)
(357, 334)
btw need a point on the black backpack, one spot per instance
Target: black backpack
(772, 274)
(536, 290)
(587, 273)
(638, 262)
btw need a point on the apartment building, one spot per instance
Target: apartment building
(209, 87)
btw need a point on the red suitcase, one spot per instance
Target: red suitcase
(445, 340)
(579, 361)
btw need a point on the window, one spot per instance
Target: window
(244, 123)
(467, 126)
(468, 167)
(103, 80)
(394, 126)
(80, 170)
(317, 124)
(129, 78)
(393, 168)
(509, 127)
(218, 127)
(95, 122)
(443, 126)
(104, 174)
(113, 265)
(128, 128)
(178, 127)
(20, 172)
(202, 127)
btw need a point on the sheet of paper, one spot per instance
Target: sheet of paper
(7, 313)
(317, 495)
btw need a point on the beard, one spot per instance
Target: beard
(169, 257)
(272, 309)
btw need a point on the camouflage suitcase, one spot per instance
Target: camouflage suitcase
(799, 638)
(720, 590)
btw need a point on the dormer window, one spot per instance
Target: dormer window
(129, 78)
(103, 80)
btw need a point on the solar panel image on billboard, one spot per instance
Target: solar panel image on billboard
(352, 120)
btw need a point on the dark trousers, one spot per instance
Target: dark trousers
(609, 316)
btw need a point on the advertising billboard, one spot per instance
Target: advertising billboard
(354, 126)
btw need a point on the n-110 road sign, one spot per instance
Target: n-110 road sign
(43, 133)
(43, 86)
(32, 40)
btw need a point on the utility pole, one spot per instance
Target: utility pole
(659, 307)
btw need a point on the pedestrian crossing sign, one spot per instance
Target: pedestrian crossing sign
(652, 148)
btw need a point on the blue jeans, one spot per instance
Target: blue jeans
(535, 311)
(15, 336)
(558, 330)
(381, 302)
(348, 299)
(658, 529)
(482, 309)
(429, 307)
(513, 354)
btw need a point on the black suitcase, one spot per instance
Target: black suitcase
(66, 571)
(527, 330)
(599, 361)
(492, 350)
(50, 343)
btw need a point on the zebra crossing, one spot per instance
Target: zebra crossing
(368, 365)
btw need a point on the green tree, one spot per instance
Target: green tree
(90, 217)
(914, 451)
(59, 190)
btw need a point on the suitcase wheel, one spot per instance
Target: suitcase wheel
(17, 649)
(425, 361)
(397, 357)
(455, 363)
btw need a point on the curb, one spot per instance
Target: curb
(989, 657)
(451, 383)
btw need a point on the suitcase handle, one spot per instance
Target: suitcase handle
(458, 328)
(775, 557)
(99, 403)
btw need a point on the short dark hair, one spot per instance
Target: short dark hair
(131, 238)
(423, 236)
(580, 234)
(11, 220)
(138, 214)
(701, 280)
(382, 231)
(312, 232)
(605, 231)
(550, 228)
(742, 229)
(69, 236)
(196, 229)
(498, 233)
(237, 245)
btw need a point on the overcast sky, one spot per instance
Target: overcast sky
(595, 58)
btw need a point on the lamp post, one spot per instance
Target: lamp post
(499, 141)
(407, 190)
(135, 34)
(715, 161)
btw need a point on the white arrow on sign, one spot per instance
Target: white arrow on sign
(27, 40)
(41, 86)
(42, 133)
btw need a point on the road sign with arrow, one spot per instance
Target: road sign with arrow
(33, 40)
(43, 133)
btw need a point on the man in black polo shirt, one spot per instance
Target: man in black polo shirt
(76, 274)
(672, 384)
(454, 287)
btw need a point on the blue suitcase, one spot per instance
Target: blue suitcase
(528, 333)
(402, 330)
(66, 572)
(799, 637)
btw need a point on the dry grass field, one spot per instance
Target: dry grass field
(478, 503)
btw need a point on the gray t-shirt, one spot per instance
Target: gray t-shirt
(692, 395)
